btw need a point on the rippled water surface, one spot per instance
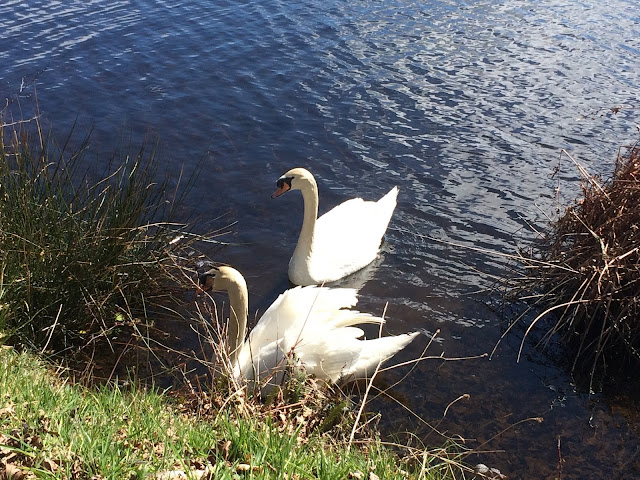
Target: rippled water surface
(464, 105)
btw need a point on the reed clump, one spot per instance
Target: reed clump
(587, 270)
(81, 253)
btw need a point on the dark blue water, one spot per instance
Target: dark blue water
(464, 105)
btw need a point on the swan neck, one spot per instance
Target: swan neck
(239, 302)
(310, 196)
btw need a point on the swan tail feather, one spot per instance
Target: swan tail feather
(346, 318)
(344, 356)
(386, 206)
(376, 351)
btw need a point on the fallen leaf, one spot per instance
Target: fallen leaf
(8, 409)
(243, 467)
(50, 465)
(172, 475)
(13, 473)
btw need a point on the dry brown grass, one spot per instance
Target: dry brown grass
(585, 270)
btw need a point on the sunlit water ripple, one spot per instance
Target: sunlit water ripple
(465, 105)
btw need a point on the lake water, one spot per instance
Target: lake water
(464, 105)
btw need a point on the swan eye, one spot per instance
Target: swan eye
(282, 180)
(205, 280)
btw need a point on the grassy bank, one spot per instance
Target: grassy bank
(84, 257)
(52, 429)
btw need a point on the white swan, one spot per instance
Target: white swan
(306, 325)
(340, 242)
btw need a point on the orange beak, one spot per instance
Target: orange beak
(283, 189)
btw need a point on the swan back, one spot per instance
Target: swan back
(349, 236)
(340, 242)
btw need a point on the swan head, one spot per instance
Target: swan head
(294, 179)
(221, 279)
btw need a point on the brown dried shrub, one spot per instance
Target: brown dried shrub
(587, 270)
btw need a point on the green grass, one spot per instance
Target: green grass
(53, 429)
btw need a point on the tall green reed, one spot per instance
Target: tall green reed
(79, 252)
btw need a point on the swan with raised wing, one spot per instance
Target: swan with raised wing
(309, 326)
(340, 242)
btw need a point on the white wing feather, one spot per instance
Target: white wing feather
(348, 237)
(312, 325)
